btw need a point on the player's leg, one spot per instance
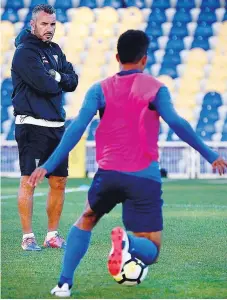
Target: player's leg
(145, 246)
(54, 207)
(142, 214)
(56, 195)
(78, 242)
(101, 199)
(27, 162)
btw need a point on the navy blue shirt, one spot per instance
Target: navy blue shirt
(36, 93)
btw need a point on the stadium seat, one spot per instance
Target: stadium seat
(131, 15)
(154, 29)
(183, 16)
(113, 3)
(4, 114)
(200, 42)
(11, 134)
(186, 4)
(101, 31)
(213, 4)
(161, 4)
(36, 2)
(28, 16)
(61, 15)
(176, 44)
(11, 15)
(106, 16)
(135, 3)
(169, 70)
(157, 16)
(81, 15)
(204, 30)
(212, 99)
(168, 81)
(88, 3)
(208, 16)
(6, 91)
(172, 57)
(66, 4)
(217, 86)
(14, 4)
(179, 30)
(154, 45)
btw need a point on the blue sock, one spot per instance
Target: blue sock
(143, 249)
(77, 244)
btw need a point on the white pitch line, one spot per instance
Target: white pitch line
(84, 188)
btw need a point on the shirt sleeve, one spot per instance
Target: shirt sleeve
(91, 104)
(180, 126)
(28, 65)
(69, 78)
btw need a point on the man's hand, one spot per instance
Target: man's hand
(55, 75)
(37, 176)
(220, 164)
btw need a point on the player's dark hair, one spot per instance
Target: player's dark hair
(132, 45)
(43, 7)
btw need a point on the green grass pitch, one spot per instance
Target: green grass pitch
(192, 264)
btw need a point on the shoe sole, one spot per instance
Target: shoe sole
(31, 249)
(115, 260)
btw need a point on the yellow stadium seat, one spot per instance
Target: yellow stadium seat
(221, 46)
(186, 113)
(185, 101)
(189, 87)
(78, 31)
(193, 73)
(132, 15)
(73, 56)
(5, 44)
(83, 15)
(88, 75)
(103, 31)
(76, 45)
(197, 56)
(219, 86)
(99, 44)
(168, 81)
(126, 26)
(112, 68)
(107, 16)
(218, 72)
(95, 59)
(223, 29)
(7, 29)
(220, 60)
(6, 71)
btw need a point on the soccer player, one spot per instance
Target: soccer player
(40, 74)
(130, 104)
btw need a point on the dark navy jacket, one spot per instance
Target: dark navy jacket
(36, 93)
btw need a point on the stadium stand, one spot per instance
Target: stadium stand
(188, 53)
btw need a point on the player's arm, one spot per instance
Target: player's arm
(72, 135)
(27, 63)
(183, 129)
(69, 78)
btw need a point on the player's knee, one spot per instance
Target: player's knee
(57, 183)
(89, 216)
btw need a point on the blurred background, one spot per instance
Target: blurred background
(187, 52)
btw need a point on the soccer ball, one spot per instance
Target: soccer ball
(133, 272)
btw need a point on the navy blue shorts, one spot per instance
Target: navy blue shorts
(36, 144)
(140, 198)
